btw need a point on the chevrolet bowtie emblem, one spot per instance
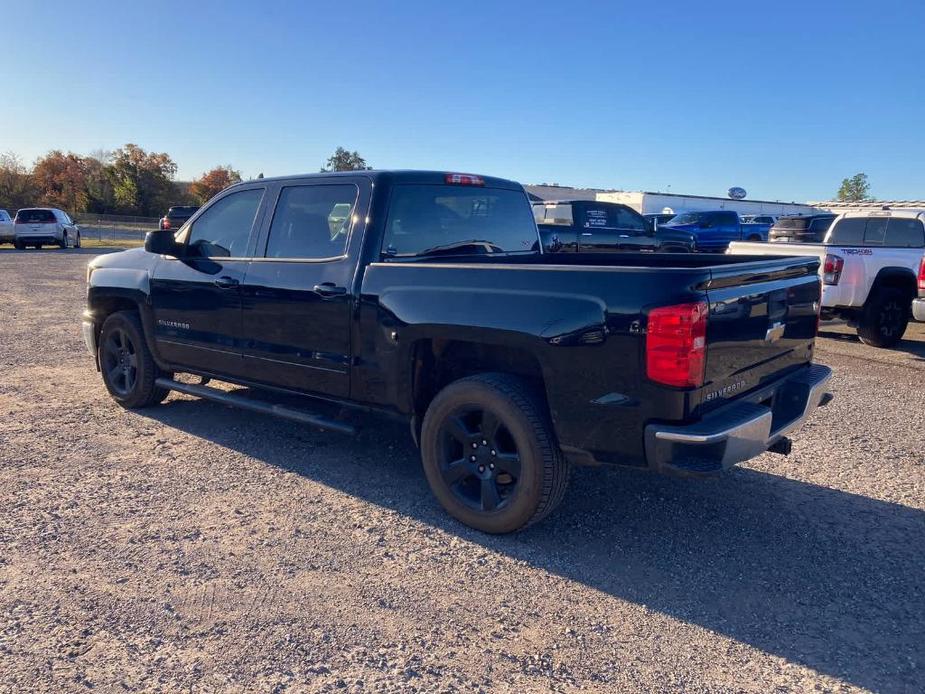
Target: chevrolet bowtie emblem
(775, 332)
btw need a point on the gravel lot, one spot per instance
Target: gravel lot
(194, 547)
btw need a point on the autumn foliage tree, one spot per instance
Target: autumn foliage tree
(17, 188)
(61, 180)
(214, 182)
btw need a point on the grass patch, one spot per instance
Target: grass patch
(112, 243)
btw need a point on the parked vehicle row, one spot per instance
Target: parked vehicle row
(39, 226)
(430, 297)
(590, 226)
(871, 264)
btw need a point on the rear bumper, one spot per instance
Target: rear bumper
(741, 430)
(918, 309)
(37, 238)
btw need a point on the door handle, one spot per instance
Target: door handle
(226, 282)
(328, 289)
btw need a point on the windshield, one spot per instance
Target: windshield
(685, 218)
(452, 220)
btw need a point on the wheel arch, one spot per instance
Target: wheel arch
(437, 362)
(901, 278)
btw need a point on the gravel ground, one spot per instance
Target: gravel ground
(191, 547)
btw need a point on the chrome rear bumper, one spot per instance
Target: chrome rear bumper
(741, 430)
(918, 309)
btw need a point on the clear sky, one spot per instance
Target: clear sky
(782, 98)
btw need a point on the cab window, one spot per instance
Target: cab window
(312, 222)
(848, 232)
(224, 229)
(905, 233)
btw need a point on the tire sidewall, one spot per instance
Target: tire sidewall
(136, 395)
(478, 394)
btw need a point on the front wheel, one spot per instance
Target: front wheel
(490, 455)
(126, 363)
(19, 246)
(77, 241)
(884, 318)
(63, 242)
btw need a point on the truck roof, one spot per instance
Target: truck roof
(901, 214)
(400, 176)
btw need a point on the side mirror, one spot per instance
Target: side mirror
(162, 243)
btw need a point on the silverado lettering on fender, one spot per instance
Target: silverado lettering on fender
(427, 296)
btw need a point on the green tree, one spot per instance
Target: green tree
(344, 160)
(17, 189)
(101, 197)
(854, 189)
(142, 181)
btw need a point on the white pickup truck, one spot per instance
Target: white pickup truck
(872, 267)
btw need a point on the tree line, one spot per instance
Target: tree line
(128, 181)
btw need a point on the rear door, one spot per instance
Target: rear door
(196, 299)
(298, 292)
(762, 323)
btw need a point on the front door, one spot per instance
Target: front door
(297, 293)
(196, 298)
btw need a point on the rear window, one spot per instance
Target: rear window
(878, 231)
(795, 223)
(35, 216)
(452, 220)
(553, 214)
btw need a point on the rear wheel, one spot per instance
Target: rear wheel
(126, 363)
(19, 246)
(490, 455)
(755, 238)
(884, 318)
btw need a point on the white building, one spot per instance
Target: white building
(655, 203)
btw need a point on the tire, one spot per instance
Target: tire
(518, 475)
(126, 364)
(754, 238)
(19, 246)
(884, 318)
(77, 241)
(62, 244)
(38, 246)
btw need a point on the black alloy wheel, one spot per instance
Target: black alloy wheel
(119, 361)
(479, 460)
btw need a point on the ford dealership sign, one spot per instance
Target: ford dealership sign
(736, 193)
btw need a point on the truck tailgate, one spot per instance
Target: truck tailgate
(762, 324)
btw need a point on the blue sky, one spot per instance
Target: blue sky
(784, 99)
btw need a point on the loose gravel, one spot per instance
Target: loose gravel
(192, 547)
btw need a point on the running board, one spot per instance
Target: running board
(225, 398)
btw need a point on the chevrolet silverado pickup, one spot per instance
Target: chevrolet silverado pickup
(431, 299)
(871, 265)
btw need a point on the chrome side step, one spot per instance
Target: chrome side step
(225, 398)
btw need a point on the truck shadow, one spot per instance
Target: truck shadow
(914, 347)
(824, 578)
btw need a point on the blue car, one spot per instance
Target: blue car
(714, 230)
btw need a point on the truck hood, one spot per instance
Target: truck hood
(132, 259)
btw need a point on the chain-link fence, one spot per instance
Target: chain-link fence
(114, 227)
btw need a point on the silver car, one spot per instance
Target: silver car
(45, 226)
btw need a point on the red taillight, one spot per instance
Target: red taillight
(922, 275)
(831, 268)
(676, 344)
(458, 179)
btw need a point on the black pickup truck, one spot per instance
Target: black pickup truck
(593, 226)
(427, 296)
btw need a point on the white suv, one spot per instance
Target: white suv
(871, 268)
(44, 226)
